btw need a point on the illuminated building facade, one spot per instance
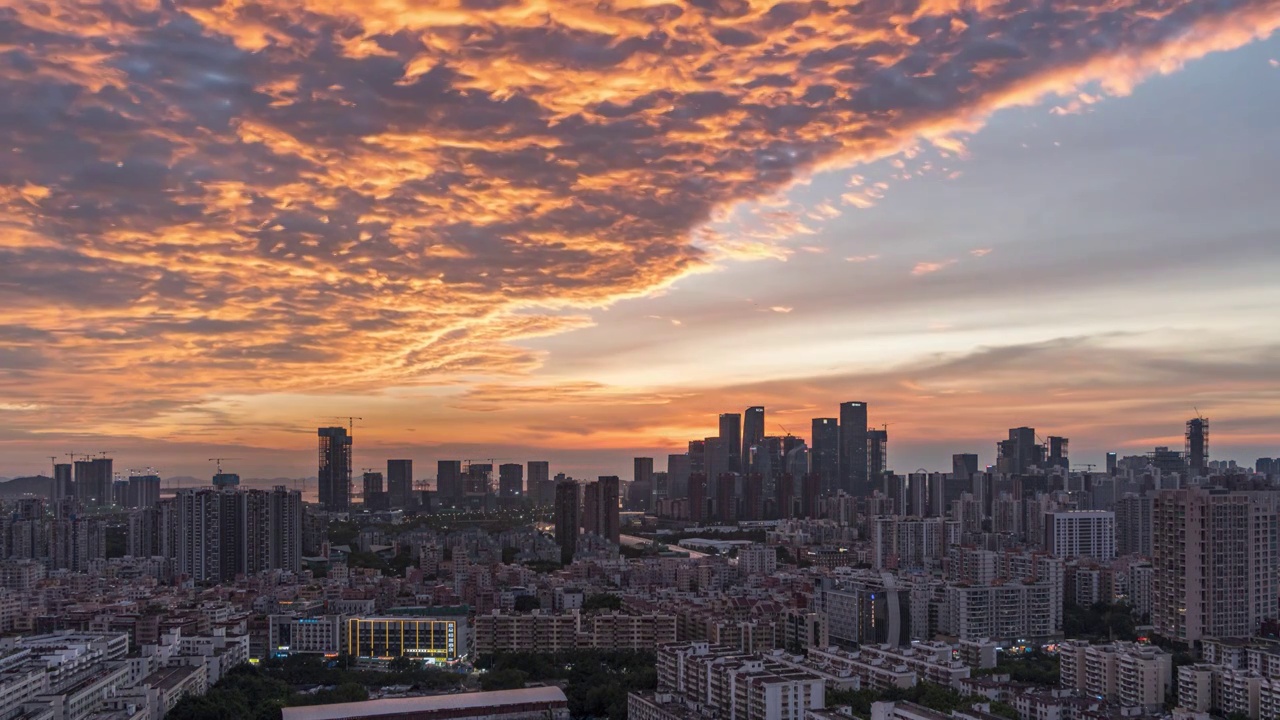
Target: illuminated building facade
(436, 639)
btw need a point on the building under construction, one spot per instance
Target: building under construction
(1197, 449)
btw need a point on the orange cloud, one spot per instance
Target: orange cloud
(927, 268)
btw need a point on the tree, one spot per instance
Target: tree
(504, 679)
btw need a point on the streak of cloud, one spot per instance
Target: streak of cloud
(258, 196)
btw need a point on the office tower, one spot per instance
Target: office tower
(642, 480)
(142, 491)
(697, 456)
(566, 514)
(854, 475)
(731, 437)
(1113, 462)
(964, 465)
(1081, 534)
(1197, 451)
(93, 481)
(661, 487)
(877, 454)
(510, 480)
(591, 508)
(399, 483)
(697, 497)
(753, 497)
(766, 457)
(1133, 525)
(63, 484)
(810, 493)
(449, 480)
(1265, 466)
(539, 484)
(824, 451)
(371, 485)
(917, 495)
(726, 497)
(478, 479)
(1058, 453)
(718, 458)
(785, 496)
(1214, 553)
(678, 471)
(610, 525)
(1019, 453)
(752, 433)
(335, 469)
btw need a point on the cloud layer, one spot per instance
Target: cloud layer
(251, 196)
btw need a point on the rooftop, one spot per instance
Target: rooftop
(436, 703)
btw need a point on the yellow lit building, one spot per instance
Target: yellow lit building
(437, 639)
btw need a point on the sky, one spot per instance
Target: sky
(577, 231)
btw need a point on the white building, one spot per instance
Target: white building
(1131, 675)
(1081, 533)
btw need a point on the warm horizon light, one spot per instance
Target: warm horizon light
(577, 231)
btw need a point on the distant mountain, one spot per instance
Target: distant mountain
(17, 487)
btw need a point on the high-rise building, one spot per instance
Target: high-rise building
(784, 493)
(371, 483)
(510, 480)
(591, 508)
(731, 439)
(877, 454)
(1019, 453)
(335, 469)
(93, 479)
(718, 458)
(1214, 553)
(224, 533)
(810, 492)
(964, 465)
(678, 472)
(752, 433)
(642, 480)
(1113, 462)
(1197, 452)
(697, 497)
(854, 468)
(697, 456)
(566, 514)
(143, 491)
(610, 491)
(539, 484)
(63, 484)
(1265, 466)
(400, 483)
(726, 497)
(824, 452)
(449, 485)
(1133, 525)
(753, 497)
(1058, 456)
(1081, 534)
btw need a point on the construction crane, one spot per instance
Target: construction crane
(784, 429)
(218, 462)
(1088, 467)
(351, 422)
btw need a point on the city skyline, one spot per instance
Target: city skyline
(219, 231)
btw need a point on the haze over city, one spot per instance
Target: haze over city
(577, 232)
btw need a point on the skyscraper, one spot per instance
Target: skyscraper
(718, 458)
(510, 480)
(731, 437)
(752, 497)
(697, 497)
(678, 472)
(697, 456)
(1058, 456)
(1197, 451)
(854, 470)
(591, 508)
(449, 480)
(784, 493)
(1113, 463)
(877, 455)
(93, 481)
(1020, 452)
(63, 484)
(400, 483)
(372, 483)
(964, 465)
(610, 491)
(642, 482)
(752, 434)
(566, 514)
(726, 498)
(825, 452)
(540, 485)
(335, 469)
(1214, 553)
